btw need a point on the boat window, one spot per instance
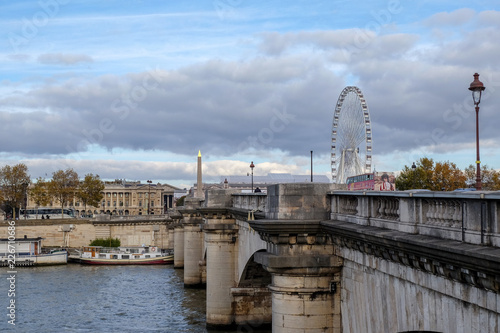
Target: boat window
(125, 256)
(114, 256)
(147, 256)
(101, 255)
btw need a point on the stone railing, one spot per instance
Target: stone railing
(250, 201)
(471, 217)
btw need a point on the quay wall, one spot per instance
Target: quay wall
(76, 233)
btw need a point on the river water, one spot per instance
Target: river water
(79, 298)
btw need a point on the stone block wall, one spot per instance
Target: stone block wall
(298, 201)
(81, 232)
(383, 296)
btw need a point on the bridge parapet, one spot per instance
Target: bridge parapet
(250, 201)
(471, 218)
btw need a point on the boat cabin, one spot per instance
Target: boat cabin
(23, 246)
(122, 252)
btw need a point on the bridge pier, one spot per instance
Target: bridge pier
(302, 302)
(193, 250)
(305, 276)
(178, 246)
(220, 241)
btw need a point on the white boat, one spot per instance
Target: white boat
(22, 252)
(124, 255)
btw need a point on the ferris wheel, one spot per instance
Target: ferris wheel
(351, 136)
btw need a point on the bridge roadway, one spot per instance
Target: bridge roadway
(308, 258)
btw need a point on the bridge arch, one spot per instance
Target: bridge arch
(254, 275)
(249, 242)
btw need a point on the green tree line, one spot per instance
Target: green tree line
(62, 188)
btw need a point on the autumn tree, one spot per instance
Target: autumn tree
(90, 190)
(14, 182)
(39, 193)
(447, 177)
(419, 177)
(441, 176)
(63, 186)
(490, 179)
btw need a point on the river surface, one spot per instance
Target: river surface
(79, 298)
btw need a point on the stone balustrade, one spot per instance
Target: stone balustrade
(471, 217)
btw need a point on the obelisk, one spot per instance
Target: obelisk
(199, 185)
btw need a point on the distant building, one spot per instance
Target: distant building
(125, 198)
(244, 183)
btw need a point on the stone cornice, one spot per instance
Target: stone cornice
(132, 222)
(472, 264)
(278, 227)
(242, 214)
(189, 212)
(290, 232)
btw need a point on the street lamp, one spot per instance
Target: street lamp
(251, 167)
(413, 167)
(477, 88)
(149, 193)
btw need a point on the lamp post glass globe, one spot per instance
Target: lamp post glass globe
(413, 167)
(477, 88)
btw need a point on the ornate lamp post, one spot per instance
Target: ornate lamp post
(251, 167)
(149, 193)
(477, 88)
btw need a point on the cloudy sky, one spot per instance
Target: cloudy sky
(133, 89)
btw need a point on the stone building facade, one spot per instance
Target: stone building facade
(125, 198)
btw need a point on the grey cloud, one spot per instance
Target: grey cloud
(220, 107)
(275, 44)
(454, 18)
(489, 18)
(64, 59)
(19, 57)
(280, 102)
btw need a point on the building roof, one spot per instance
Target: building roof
(275, 178)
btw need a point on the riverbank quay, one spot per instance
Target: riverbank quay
(76, 232)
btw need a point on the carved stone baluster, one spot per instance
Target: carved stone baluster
(392, 210)
(381, 207)
(430, 211)
(450, 213)
(457, 209)
(442, 207)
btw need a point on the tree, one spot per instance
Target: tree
(442, 176)
(63, 186)
(90, 190)
(39, 193)
(447, 177)
(419, 177)
(180, 202)
(490, 179)
(14, 182)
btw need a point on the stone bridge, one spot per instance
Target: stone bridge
(308, 258)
